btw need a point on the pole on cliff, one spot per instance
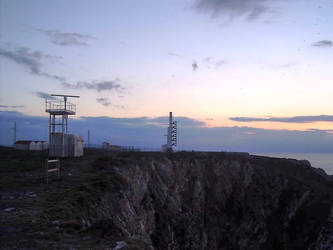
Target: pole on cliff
(88, 138)
(14, 128)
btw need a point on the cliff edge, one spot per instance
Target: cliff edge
(193, 200)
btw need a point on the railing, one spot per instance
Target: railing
(60, 106)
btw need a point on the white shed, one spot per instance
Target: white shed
(66, 145)
(30, 145)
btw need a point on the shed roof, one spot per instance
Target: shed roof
(27, 142)
(24, 142)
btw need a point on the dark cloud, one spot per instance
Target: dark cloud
(44, 95)
(294, 119)
(107, 103)
(67, 39)
(288, 65)
(31, 60)
(11, 106)
(52, 76)
(211, 62)
(194, 66)
(220, 63)
(97, 85)
(251, 9)
(174, 54)
(323, 44)
(146, 132)
(23, 56)
(207, 59)
(104, 101)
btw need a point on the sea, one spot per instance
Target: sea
(317, 160)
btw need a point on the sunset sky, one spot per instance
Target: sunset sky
(256, 67)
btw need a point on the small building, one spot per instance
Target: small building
(66, 145)
(115, 148)
(30, 145)
(105, 145)
(108, 146)
(75, 145)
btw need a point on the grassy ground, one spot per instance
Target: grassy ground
(35, 207)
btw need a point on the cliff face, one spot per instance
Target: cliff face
(205, 201)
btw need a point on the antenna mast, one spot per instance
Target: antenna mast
(172, 135)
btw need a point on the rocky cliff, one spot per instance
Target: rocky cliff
(202, 201)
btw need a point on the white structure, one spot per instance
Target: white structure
(30, 145)
(65, 145)
(61, 143)
(171, 136)
(58, 144)
(75, 145)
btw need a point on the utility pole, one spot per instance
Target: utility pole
(14, 128)
(88, 138)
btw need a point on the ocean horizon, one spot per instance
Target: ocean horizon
(317, 160)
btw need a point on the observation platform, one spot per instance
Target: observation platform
(60, 107)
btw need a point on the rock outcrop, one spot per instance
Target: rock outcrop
(204, 201)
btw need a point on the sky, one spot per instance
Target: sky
(239, 75)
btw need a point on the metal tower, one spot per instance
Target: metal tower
(59, 111)
(171, 136)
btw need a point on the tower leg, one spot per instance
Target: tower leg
(53, 124)
(66, 122)
(50, 142)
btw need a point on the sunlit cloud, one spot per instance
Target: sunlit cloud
(294, 119)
